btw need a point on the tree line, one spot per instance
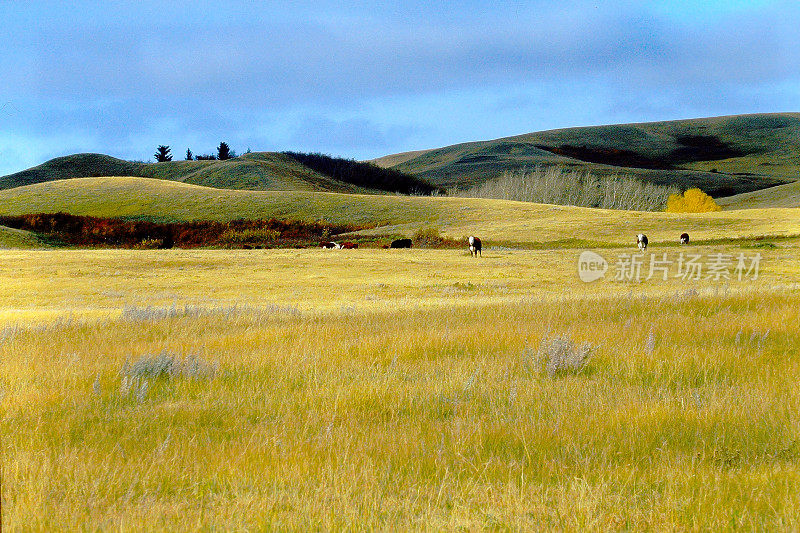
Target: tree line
(224, 152)
(558, 185)
(363, 174)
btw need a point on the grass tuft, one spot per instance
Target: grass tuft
(169, 365)
(561, 355)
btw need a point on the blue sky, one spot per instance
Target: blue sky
(363, 79)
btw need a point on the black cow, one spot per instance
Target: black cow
(401, 243)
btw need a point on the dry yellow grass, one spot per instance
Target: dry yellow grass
(395, 389)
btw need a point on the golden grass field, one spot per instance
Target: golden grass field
(403, 389)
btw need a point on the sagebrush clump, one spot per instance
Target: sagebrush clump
(561, 355)
(169, 365)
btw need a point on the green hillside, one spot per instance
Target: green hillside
(722, 155)
(255, 171)
(494, 220)
(14, 238)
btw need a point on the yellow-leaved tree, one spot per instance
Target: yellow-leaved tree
(692, 201)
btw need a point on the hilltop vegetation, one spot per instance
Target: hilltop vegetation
(722, 156)
(252, 171)
(364, 174)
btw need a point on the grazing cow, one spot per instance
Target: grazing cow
(329, 245)
(474, 246)
(684, 238)
(641, 241)
(349, 245)
(401, 243)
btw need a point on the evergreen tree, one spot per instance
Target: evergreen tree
(189, 155)
(163, 154)
(223, 151)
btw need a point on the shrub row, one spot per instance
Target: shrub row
(79, 230)
(365, 174)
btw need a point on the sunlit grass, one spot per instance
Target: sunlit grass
(492, 220)
(393, 389)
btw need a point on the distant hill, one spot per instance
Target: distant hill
(253, 171)
(722, 155)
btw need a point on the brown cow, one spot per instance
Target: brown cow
(475, 246)
(349, 245)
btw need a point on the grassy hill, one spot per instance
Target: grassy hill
(14, 238)
(496, 221)
(787, 195)
(722, 155)
(254, 171)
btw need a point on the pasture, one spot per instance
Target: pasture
(398, 389)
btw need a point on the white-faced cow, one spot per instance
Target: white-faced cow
(329, 245)
(474, 246)
(684, 238)
(641, 241)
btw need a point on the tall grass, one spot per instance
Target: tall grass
(557, 185)
(389, 401)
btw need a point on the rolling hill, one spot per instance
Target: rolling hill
(253, 171)
(14, 238)
(787, 195)
(722, 155)
(497, 221)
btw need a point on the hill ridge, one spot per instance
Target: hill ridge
(251, 171)
(723, 155)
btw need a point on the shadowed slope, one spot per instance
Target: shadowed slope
(723, 155)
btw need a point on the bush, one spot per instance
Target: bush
(692, 201)
(433, 238)
(168, 365)
(560, 355)
(252, 237)
(427, 237)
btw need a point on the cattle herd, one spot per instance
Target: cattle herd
(474, 244)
